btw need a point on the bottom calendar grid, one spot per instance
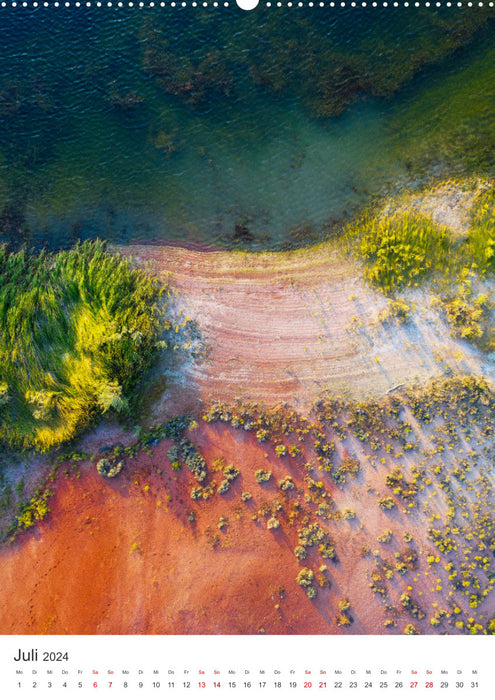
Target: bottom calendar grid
(208, 667)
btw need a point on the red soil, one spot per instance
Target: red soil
(120, 556)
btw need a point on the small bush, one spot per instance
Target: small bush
(399, 485)
(35, 510)
(109, 469)
(305, 577)
(230, 472)
(224, 486)
(193, 460)
(261, 476)
(467, 314)
(273, 523)
(480, 243)
(386, 503)
(300, 552)
(410, 629)
(173, 453)
(397, 311)
(286, 483)
(386, 537)
(349, 467)
(411, 606)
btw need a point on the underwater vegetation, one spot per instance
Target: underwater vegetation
(341, 56)
(77, 331)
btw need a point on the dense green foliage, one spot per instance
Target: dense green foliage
(400, 249)
(77, 330)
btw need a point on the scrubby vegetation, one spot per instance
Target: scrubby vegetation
(261, 475)
(481, 238)
(77, 331)
(397, 310)
(399, 249)
(467, 313)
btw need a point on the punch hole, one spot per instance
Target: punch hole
(247, 4)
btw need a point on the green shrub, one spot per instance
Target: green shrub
(261, 475)
(262, 435)
(305, 577)
(397, 311)
(108, 468)
(36, 509)
(386, 503)
(343, 620)
(286, 483)
(230, 472)
(224, 486)
(349, 467)
(411, 606)
(173, 454)
(400, 249)
(193, 460)
(273, 523)
(77, 331)
(467, 314)
(399, 485)
(300, 552)
(314, 534)
(386, 537)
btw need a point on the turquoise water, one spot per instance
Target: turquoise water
(94, 143)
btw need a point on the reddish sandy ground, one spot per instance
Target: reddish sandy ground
(121, 557)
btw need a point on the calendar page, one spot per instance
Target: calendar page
(247, 342)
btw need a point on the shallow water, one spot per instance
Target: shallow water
(73, 164)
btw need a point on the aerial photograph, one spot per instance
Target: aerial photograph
(247, 320)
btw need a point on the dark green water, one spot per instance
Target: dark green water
(227, 128)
